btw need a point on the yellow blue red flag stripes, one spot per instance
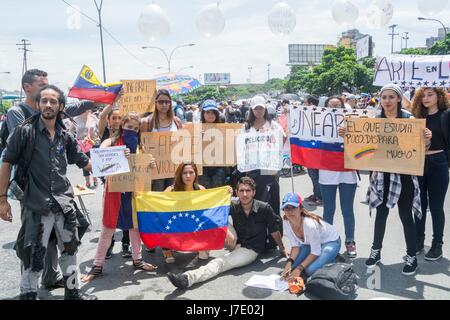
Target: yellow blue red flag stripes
(185, 221)
(88, 87)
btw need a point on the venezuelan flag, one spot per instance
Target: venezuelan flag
(185, 221)
(88, 87)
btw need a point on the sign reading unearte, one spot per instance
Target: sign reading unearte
(386, 145)
(138, 96)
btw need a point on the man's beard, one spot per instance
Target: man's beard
(50, 116)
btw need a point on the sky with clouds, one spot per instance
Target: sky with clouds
(245, 41)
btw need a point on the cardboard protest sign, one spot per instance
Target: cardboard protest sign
(139, 179)
(170, 149)
(262, 151)
(109, 161)
(386, 145)
(218, 142)
(413, 71)
(314, 137)
(138, 96)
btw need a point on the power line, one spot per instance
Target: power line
(23, 46)
(110, 34)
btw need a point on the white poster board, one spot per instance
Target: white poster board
(109, 161)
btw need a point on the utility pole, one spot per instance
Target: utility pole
(406, 38)
(24, 46)
(268, 72)
(250, 74)
(99, 10)
(393, 34)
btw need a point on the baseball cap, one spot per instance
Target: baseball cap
(291, 199)
(257, 101)
(209, 105)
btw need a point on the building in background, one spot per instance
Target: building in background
(362, 43)
(217, 78)
(441, 35)
(306, 54)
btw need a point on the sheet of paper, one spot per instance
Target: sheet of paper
(271, 282)
(109, 161)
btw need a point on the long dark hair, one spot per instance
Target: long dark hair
(305, 213)
(332, 98)
(399, 107)
(251, 118)
(155, 118)
(179, 184)
(218, 118)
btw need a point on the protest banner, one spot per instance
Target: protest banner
(413, 71)
(218, 142)
(314, 137)
(109, 161)
(139, 179)
(386, 145)
(138, 96)
(263, 151)
(170, 149)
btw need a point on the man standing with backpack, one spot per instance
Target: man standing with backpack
(43, 148)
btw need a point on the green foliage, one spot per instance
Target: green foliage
(439, 48)
(415, 51)
(223, 93)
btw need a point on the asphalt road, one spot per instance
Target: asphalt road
(121, 282)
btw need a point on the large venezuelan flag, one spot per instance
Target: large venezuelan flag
(88, 87)
(185, 221)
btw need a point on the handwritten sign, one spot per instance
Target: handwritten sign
(138, 96)
(262, 151)
(386, 145)
(109, 161)
(314, 136)
(139, 179)
(415, 71)
(218, 142)
(170, 149)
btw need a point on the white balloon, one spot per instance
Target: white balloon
(282, 19)
(153, 23)
(210, 21)
(344, 12)
(431, 7)
(379, 13)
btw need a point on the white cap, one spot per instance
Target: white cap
(257, 101)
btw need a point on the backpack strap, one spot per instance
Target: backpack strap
(25, 111)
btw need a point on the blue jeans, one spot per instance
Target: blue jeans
(314, 175)
(347, 196)
(330, 250)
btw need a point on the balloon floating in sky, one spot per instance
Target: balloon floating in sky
(431, 7)
(344, 12)
(153, 23)
(282, 19)
(379, 13)
(210, 21)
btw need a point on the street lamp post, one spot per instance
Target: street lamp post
(99, 10)
(168, 57)
(431, 19)
(5, 72)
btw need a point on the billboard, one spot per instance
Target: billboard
(217, 78)
(364, 47)
(306, 54)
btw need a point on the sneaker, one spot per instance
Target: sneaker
(410, 267)
(351, 249)
(109, 252)
(126, 252)
(179, 280)
(375, 257)
(28, 296)
(310, 198)
(435, 252)
(318, 202)
(168, 256)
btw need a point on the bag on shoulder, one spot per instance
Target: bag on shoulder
(4, 131)
(334, 281)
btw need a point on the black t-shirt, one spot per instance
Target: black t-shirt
(434, 124)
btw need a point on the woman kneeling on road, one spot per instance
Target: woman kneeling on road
(314, 243)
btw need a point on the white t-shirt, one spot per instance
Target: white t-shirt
(273, 125)
(315, 234)
(327, 177)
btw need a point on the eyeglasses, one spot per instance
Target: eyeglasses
(46, 101)
(164, 101)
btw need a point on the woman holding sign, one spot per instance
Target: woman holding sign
(388, 189)
(117, 206)
(432, 104)
(346, 182)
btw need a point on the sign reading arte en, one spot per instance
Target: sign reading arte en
(385, 145)
(413, 71)
(138, 96)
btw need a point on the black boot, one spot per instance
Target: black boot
(75, 294)
(435, 252)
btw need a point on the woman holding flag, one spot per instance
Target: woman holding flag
(117, 207)
(162, 120)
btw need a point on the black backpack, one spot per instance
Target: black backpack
(4, 132)
(334, 281)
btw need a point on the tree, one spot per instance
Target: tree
(415, 51)
(441, 47)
